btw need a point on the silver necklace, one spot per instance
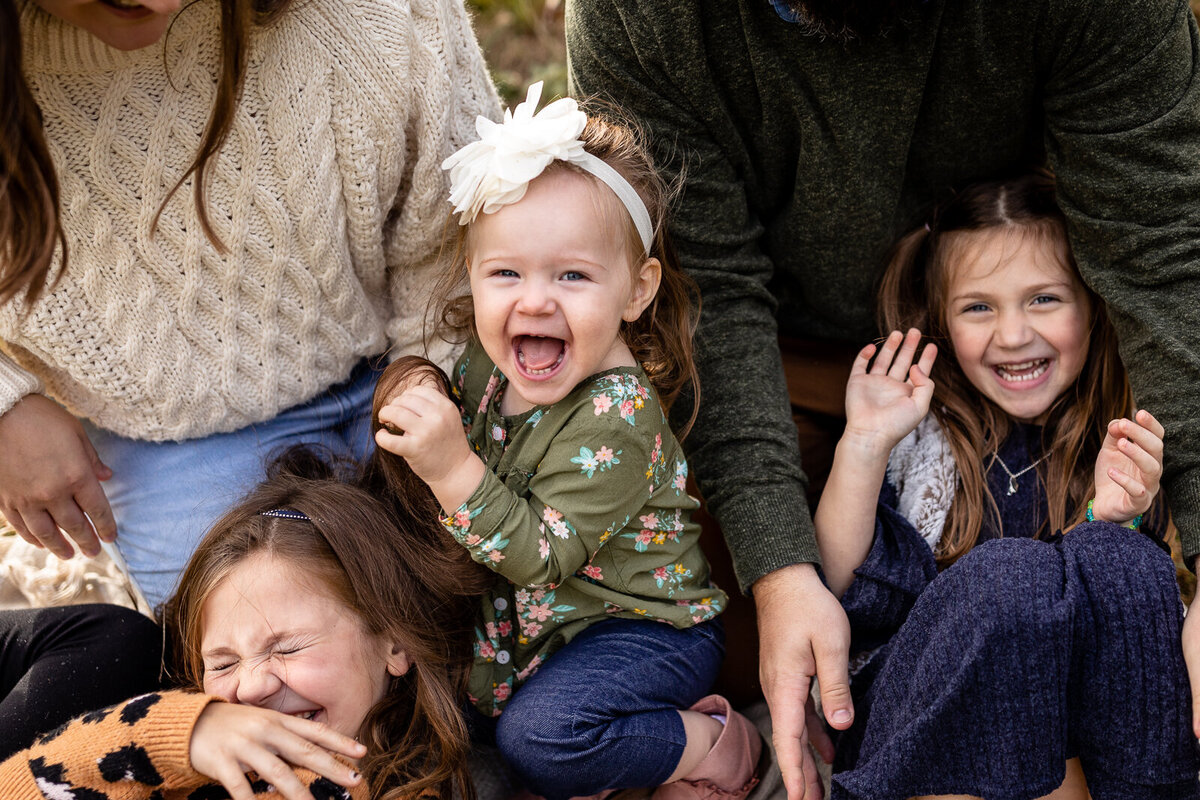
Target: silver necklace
(1012, 476)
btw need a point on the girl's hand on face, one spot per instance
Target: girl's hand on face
(1128, 468)
(230, 740)
(885, 402)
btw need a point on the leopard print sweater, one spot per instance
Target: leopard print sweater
(137, 750)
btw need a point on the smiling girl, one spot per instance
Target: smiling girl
(993, 655)
(597, 643)
(314, 620)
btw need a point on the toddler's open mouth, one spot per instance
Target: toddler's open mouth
(539, 355)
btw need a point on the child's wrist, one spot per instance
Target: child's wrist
(1132, 524)
(866, 444)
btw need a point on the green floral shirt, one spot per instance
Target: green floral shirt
(583, 512)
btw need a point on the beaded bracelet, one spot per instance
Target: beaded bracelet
(1133, 524)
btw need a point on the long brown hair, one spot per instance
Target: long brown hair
(393, 571)
(30, 213)
(913, 294)
(661, 338)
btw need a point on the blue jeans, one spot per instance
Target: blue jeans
(165, 495)
(603, 712)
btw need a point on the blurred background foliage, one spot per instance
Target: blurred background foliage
(523, 42)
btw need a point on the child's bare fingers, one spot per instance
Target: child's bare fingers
(883, 361)
(1148, 463)
(859, 367)
(905, 355)
(928, 356)
(1144, 437)
(1132, 486)
(1150, 423)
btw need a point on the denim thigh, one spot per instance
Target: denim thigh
(602, 712)
(165, 495)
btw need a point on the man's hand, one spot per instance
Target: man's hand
(803, 632)
(1191, 656)
(50, 478)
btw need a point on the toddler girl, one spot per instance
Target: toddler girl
(569, 483)
(989, 649)
(331, 623)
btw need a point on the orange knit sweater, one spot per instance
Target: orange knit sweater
(137, 750)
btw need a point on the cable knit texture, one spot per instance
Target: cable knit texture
(328, 195)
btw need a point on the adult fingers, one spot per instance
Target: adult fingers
(18, 522)
(70, 519)
(94, 502)
(833, 678)
(786, 698)
(1191, 657)
(41, 525)
(813, 788)
(817, 737)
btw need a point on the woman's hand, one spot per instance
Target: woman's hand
(424, 427)
(885, 403)
(50, 478)
(1128, 468)
(230, 740)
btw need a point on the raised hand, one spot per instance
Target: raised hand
(885, 402)
(424, 427)
(230, 740)
(1128, 468)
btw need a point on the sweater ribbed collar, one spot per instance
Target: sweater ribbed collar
(53, 47)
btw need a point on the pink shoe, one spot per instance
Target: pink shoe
(729, 770)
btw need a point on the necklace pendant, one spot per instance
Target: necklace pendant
(1012, 484)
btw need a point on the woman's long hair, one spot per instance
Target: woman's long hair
(913, 294)
(661, 338)
(30, 213)
(395, 572)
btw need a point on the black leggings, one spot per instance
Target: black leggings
(56, 663)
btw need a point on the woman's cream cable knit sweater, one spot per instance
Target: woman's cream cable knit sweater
(328, 195)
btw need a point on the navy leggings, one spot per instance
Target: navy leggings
(57, 663)
(602, 712)
(1025, 654)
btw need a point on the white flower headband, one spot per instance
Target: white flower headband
(495, 171)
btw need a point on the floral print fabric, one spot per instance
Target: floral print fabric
(583, 514)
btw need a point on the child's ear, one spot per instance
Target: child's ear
(645, 287)
(398, 662)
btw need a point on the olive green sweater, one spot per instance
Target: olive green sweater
(805, 158)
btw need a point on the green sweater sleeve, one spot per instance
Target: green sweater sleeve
(1122, 108)
(743, 448)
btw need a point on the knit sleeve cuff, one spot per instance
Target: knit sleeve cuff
(168, 735)
(766, 530)
(15, 383)
(1183, 495)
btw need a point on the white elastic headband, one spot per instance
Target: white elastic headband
(496, 170)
